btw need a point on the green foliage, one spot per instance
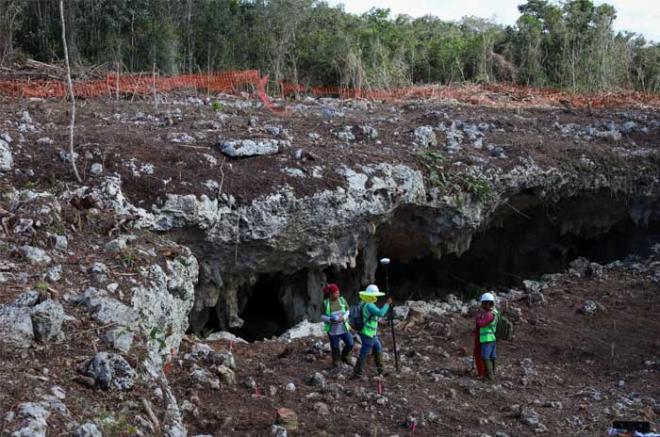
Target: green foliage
(116, 426)
(432, 161)
(568, 44)
(216, 106)
(158, 336)
(479, 187)
(129, 259)
(41, 286)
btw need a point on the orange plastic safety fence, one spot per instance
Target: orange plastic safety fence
(501, 95)
(226, 81)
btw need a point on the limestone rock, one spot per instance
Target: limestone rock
(204, 377)
(304, 329)
(425, 136)
(6, 158)
(88, 429)
(47, 319)
(111, 370)
(33, 417)
(247, 148)
(16, 329)
(35, 255)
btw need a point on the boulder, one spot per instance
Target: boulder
(35, 255)
(425, 136)
(47, 318)
(16, 329)
(247, 148)
(88, 429)
(304, 329)
(111, 370)
(204, 377)
(33, 417)
(227, 375)
(96, 169)
(119, 338)
(6, 158)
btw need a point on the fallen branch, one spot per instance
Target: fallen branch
(150, 412)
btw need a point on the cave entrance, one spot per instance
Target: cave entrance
(263, 314)
(523, 242)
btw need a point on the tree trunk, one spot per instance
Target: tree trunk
(71, 93)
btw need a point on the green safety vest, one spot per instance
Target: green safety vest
(487, 333)
(370, 328)
(343, 305)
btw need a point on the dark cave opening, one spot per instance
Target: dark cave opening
(263, 314)
(525, 238)
(524, 243)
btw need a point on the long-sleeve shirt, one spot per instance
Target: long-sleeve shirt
(373, 310)
(337, 327)
(484, 318)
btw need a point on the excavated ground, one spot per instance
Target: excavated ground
(577, 371)
(131, 139)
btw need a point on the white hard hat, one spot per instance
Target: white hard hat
(372, 289)
(487, 297)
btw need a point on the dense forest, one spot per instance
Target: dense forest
(570, 45)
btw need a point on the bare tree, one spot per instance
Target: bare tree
(71, 94)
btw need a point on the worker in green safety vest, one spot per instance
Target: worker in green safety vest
(335, 318)
(369, 332)
(487, 319)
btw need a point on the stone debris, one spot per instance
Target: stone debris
(287, 418)
(247, 148)
(425, 136)
(304, 329)
(111, 370)
(88, 429)
(204, 377)
(96, 169)
(16, 327)
(180, 138)
(35, 255)
(224, 336)
(6, 157)
(47, 319)
(226, 374)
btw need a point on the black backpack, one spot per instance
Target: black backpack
(355, 319)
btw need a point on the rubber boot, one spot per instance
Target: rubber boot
(489, 370)
(494, 373)
(346, 354)
(335, 357)
(357, 370)
(378, 359)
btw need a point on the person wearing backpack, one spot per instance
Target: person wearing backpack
(487, 319)
(335, 318)
(369, 331)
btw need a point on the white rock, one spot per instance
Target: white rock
(96, 169)
(16, 327)
(226, 336)
(6, 158)
(247, 148)
(304, 329)
(88, 429)
(35, 255)
(111, 370)
(47, 319)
